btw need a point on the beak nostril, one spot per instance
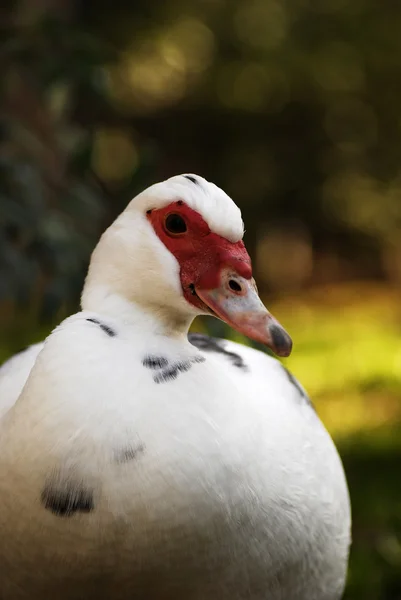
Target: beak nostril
(234, 285)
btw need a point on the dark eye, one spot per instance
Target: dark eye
(175, 224)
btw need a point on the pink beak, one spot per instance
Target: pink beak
(236, 301)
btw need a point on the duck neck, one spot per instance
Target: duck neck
(156, 320)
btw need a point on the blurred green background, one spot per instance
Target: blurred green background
(294, 108)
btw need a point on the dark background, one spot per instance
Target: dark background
(292, 107)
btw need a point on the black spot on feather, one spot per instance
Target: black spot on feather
(297, 385)
(209, 344)
(68, 499)
(129, 452)
(110, 332)
(169, 371)
(190, 178)
(172, 372)
(198, 359)
(155, 362)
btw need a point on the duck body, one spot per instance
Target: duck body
(138, 463)
(166, 479)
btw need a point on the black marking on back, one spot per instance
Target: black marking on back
(154, 362)
(172, 372)
(297, 385)
(129, 452)
(190, 178)
(210, 344)
(167, 371)
(68, 499)
(110, 332)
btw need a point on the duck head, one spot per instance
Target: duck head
(177, 252)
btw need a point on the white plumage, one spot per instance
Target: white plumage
(135, 464)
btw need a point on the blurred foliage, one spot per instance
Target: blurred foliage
(294, 109)
(53, 206)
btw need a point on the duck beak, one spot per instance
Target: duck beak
(236, 301)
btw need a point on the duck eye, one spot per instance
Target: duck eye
(175, 224)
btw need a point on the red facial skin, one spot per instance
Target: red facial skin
(200, 253)
(216, 276)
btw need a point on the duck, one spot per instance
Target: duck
(140, 461)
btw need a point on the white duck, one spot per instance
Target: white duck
(138, 464)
